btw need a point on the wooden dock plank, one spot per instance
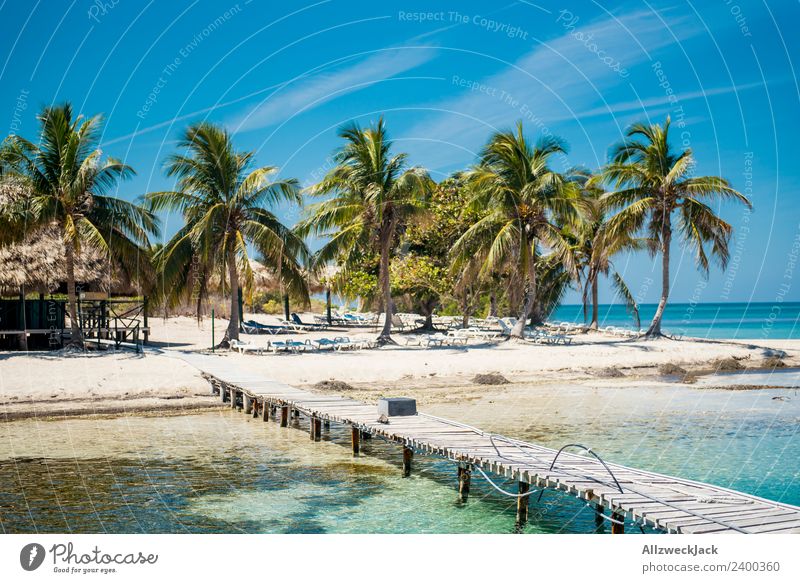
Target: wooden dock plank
(665, 502)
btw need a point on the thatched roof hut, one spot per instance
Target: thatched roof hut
(37, 263)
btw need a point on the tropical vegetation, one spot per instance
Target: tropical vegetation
(223, 200)
(510, 235)
(66, 181)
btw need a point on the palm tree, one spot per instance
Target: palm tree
(653, 183)
(65, 179)
(374, 193)
(596, 246)
(222, 199)
(527, 202)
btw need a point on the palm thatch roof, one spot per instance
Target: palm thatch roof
(34, 260)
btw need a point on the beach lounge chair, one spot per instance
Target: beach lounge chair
(296, 320)
(323, 343)
(253, 327)
(460, 336)
(296, 327)
(289, 346)
(344, 343)
(245, 347)
(398, 323)
(483, 334)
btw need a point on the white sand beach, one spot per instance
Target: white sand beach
(57, 384)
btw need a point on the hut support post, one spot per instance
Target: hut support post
(522, 503)
(247, 402)
(617, 526)
(355, 437)
(464, 479)
(145, 315)
(408, 455)
(284, 416)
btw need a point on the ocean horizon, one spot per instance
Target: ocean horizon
(735, 320)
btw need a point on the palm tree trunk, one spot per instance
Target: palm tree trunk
(492, 305)
(530, 298)
(76, 337)
(595, 308)
(655, 326)
(385, 336)
(232, 333)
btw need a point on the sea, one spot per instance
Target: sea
(750, 321)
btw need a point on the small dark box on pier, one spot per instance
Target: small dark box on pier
(397, 406)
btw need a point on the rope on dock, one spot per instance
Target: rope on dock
(517, 446)
(499, 489)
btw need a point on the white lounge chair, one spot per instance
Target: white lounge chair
(244, 347)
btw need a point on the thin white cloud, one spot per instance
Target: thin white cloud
(311, 92)
(554, 82)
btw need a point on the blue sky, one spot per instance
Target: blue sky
(284, 76)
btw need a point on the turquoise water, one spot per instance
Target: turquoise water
(226, 472)
(712, 320)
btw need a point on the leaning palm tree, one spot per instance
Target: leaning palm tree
(527, 202)
(374, 193)
(222, 201)
(597, 244)
(652, 184)
(65, 178)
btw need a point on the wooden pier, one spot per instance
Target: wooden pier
(617, 493)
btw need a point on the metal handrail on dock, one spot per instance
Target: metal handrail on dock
(666, 503)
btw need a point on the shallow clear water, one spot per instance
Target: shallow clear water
(226, 472)
(708, 320)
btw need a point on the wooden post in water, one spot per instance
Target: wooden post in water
(326, 425)
(233, 398)
(464, 478)
(617, 517)
(599, 516)
(522, 503)
(284, 416)
(355, 436)
(317, 422)
(312, 423)
(256, 408)
(265, 412)
(223, 392)
(247, 403)
(408, 455)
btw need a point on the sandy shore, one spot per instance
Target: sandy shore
(57, 384)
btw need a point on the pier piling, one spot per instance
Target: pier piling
(638, 495)
(618, 526)
(316, 428)
(522, 504)
(408, 455)
(464, 478)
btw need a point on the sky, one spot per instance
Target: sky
(283, 77)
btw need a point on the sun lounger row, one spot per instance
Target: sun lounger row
(291, 345)
(438, 339)
(623, 332)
